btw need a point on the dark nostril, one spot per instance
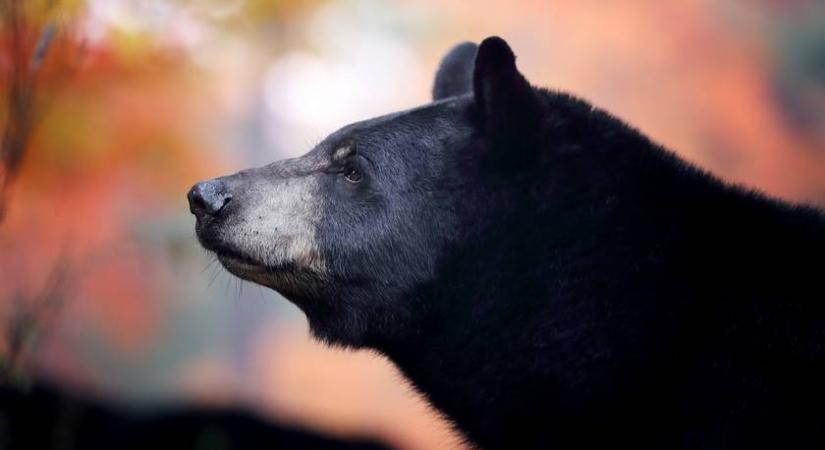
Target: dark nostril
(208, 197)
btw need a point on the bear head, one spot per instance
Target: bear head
(349, 230)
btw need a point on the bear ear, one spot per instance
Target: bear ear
(509, 107)
(455, 74)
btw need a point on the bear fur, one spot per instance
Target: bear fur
(544, 274)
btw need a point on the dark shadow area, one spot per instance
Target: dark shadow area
(44, 417)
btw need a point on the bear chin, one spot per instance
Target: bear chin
(242, 268)
(288, 279)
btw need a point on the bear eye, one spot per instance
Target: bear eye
(352, 175)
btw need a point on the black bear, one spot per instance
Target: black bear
(544, 274)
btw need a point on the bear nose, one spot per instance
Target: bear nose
(208, 197)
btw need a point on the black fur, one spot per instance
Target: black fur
(454, 75)
(550, 278)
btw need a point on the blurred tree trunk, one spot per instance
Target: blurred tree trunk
(26, 38)
(22, 59)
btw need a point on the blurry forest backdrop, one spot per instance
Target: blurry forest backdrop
(111, 109)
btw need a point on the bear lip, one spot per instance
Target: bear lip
(237, 259)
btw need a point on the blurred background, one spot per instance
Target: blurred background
(112, 109)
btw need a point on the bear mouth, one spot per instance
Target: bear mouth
(284, 276)
(235, 262)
